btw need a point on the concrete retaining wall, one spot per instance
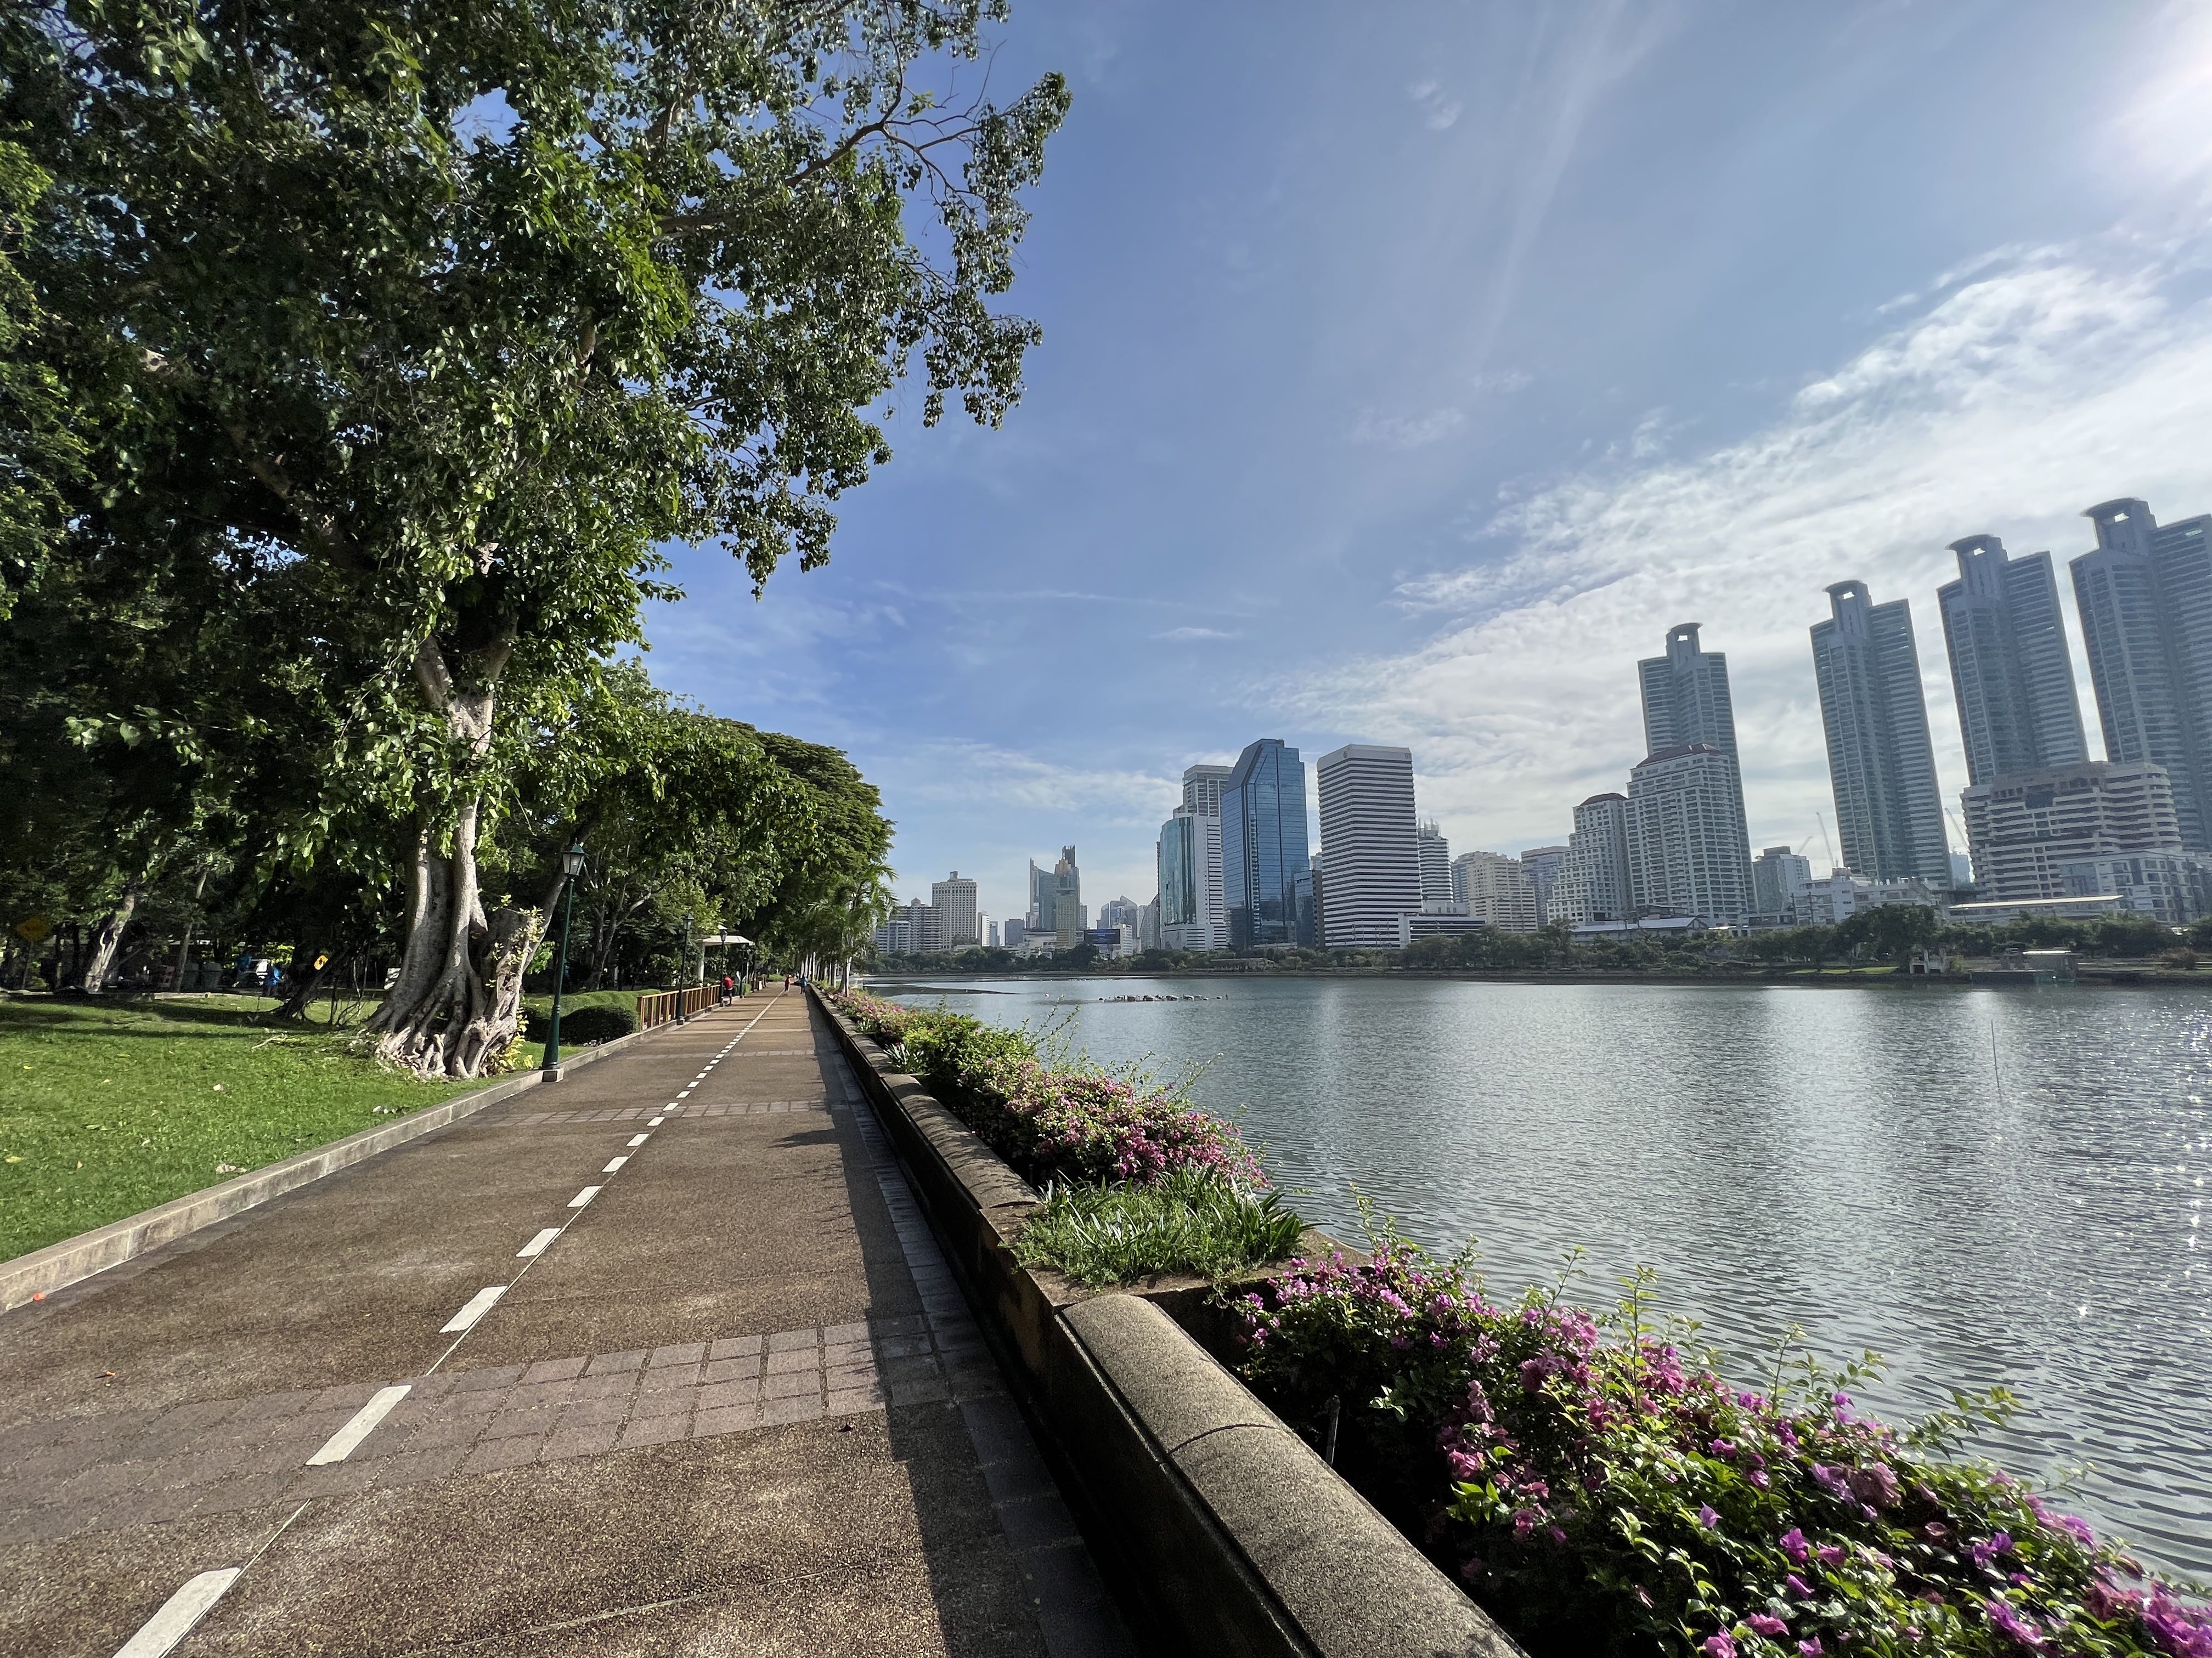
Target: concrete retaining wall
(44, 1270)
(1213, 1516)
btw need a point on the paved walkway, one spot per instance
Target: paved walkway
(660, 1359)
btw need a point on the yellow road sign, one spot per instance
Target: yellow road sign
(33, 929)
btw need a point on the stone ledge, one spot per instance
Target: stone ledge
(1212, 1515)
(73, 1259)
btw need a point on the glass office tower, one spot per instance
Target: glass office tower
(1264, 848)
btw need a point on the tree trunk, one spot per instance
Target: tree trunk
(305, 987)
(456, 1008)
(109, 936)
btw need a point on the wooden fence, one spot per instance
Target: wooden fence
(660, 1006)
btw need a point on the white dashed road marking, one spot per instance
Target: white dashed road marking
(654, 1122)
(614, 1165)
(583, 1197)
(179, 1613)
(340, 1445)
(480, 1304)
(537, 1245)
(637, 1140)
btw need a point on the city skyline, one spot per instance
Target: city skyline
(2015, 706)
(1446, 526)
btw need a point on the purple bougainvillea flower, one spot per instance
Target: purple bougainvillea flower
(1797, 1587)
(1765, 1623)
(1811, 1648)
(1708, 1516)
(1793, 1545)
(2010, 1624)
(1720, 1646)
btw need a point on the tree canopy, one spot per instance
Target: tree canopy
(413, 332)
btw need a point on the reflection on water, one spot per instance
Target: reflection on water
(1984, 1187)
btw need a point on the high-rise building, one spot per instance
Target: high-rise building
(1889, 811)
(1119, 912)
(924, 927)
(1012, 932)
(1688, 851)
(1433, 854)
(988, 928)
(1263, 845)
(1779, 879)
(1202, 786)
(1543, 864)
(1188, 860)
(954, 900)
(1687, 705)
(1498, 891)
(1368, 838)
(1320, 900)
(896, 936)
(2010, 668)
(1594, 881)
(1057, 900)
(2027, 828)
(2145, 600)
(1148, 924)
(1685, 695)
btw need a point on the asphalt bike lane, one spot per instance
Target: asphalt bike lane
(639, 1359)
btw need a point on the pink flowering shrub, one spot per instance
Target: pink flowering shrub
(1599, 1490)
(1076, 1124)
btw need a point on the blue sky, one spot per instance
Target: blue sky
(1409, 370)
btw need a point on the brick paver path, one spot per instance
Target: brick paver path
(660, 1359)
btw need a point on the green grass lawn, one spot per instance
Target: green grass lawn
(108, 1108)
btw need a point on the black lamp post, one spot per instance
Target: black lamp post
(572, 865)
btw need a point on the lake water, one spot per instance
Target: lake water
(1985, 1187)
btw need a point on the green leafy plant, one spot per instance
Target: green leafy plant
(1191, 1221)
(1600, 1487)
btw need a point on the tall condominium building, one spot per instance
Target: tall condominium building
(2010, 668)
(1148, 924)
(1433, 854)
(1370, 843)
(1688, 851)
(1779, 879)
(954, 900)
(989, 930)
(1263, 845)
(1543, 864)
(1594, 882)
(1202, 786)
(2027, 828)
(1685, 695)
(896, 936)
(1687, 704)
(1498, 891)
(2145, 600)
(924, 927)
(1119, 912)
(1889, 813)
(1187, 858)
(1057, 900)
(1320, 886)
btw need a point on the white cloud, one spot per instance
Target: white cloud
(2052, 379)
(1437, 111)
(1406, 431)
(1181, 635)
(1505, 381)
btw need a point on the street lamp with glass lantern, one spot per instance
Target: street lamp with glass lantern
(572, 866)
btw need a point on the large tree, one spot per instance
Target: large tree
(443, 317)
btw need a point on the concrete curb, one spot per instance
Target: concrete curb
(59, 1264)
(1209, 1512)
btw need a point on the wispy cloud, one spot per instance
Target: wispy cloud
(2053, 379)
(1438, 111)
(1180, 636)
(1406, 431)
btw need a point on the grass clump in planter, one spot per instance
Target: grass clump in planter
(1190, 1222)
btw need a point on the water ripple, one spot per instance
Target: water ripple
(1986, 1188)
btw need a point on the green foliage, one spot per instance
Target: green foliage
(1191, 1222)
(1602, 1488)
(590, 1018)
